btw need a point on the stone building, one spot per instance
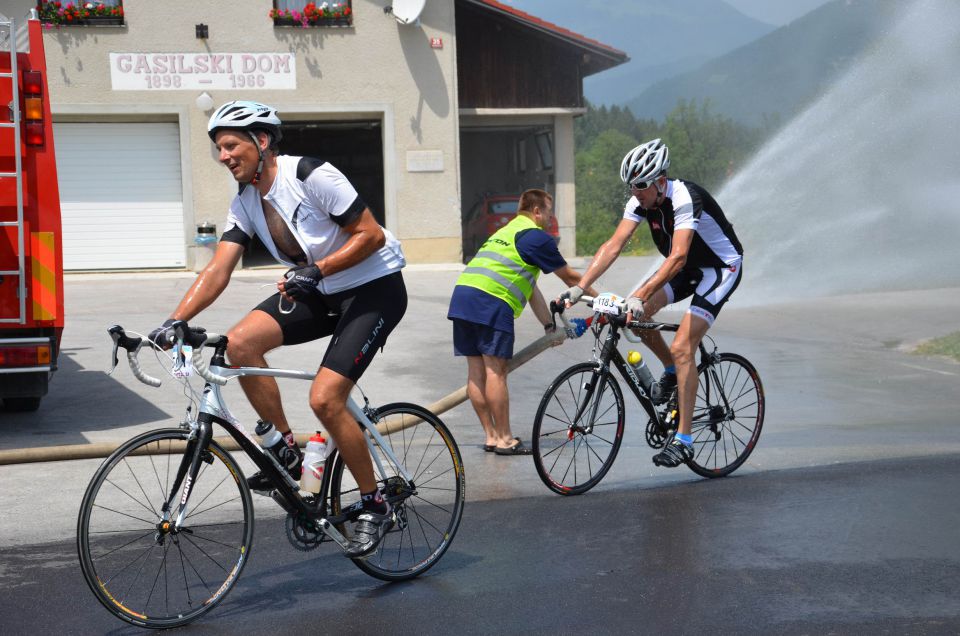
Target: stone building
(426, 115)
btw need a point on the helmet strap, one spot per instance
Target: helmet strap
(256, 142)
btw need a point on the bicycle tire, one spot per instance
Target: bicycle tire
(563, 452)
(152, 578)
(427, 519)
(723, 438)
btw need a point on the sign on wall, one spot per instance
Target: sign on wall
(192, 71)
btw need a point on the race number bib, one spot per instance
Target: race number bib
(607, 303)
(182, 361)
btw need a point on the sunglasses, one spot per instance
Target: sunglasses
(643, 185)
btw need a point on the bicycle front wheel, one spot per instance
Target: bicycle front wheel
(428, 506)
(578, 429)
(727, 416)
(138, 564)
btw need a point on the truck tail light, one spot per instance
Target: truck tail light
(33, 107)
(33, 83)
(24, 355)
(35, 134)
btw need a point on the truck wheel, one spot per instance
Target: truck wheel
(21, 404)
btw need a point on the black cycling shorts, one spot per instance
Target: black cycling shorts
(711, 288)
(360, 319)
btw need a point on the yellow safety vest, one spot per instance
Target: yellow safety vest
(498, 270)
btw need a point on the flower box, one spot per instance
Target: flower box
(327, 14)
(58, 13)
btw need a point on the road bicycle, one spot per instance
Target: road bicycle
(166, 524)
(579, 424)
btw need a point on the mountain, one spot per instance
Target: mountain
(776, 12)
(662, 37)
(781, 72)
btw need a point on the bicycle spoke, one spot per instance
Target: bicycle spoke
(423, 447)
(728, 415)
(150, 576)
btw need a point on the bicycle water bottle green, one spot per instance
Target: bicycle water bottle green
(642, 370)
(313, 460)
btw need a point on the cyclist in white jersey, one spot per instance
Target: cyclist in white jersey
(704, 259)
(344, 280)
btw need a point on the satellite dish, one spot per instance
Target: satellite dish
(407, 11)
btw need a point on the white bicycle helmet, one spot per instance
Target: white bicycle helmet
(645, 162)
(251, 117)
(243, 115)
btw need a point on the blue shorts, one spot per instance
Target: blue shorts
(472, 339)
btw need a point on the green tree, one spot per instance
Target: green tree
(601, 194)
(705, 148)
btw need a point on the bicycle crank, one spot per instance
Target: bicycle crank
(656, 435)
(303, 534)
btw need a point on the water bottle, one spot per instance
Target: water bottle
(643, 372)
(313, 461)
(272, 441)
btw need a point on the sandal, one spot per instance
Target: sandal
(489, 448)
(516, 449)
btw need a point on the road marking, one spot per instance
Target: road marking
(913, 366)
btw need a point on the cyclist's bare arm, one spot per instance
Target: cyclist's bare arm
(572, 277)
(366, 237)
(682, 240)
(211, 282)
(608, 253)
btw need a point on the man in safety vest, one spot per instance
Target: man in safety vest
(490, 294)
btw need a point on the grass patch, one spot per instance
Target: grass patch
(948, 345)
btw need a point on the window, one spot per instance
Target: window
(313, 14)
(70, 13)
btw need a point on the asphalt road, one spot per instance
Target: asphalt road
(802, 551)
(843, 520)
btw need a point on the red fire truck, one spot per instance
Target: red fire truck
(31, 264)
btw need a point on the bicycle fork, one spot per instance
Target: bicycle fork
(176, 506)
(592, 390)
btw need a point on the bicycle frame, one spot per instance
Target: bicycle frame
(213, 410)
(609, 354)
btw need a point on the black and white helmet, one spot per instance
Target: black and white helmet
(243, 115)
(645, 162)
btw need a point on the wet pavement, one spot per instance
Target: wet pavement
(842, 521)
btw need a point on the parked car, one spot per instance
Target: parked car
(488, 215)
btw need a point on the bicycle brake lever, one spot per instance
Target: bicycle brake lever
(115, 332)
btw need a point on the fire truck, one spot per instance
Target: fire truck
(31, 263)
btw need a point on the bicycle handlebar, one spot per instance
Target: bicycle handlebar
(197, 338)
(620, 320)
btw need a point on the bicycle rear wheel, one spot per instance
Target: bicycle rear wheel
(138, 565)
(578, 429)
(428, 509)
(727, 416)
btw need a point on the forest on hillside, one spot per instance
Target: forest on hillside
(705, 147)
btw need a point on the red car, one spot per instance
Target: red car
(491, 213)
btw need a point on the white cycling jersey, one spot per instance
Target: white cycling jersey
(687, 206)
(315, 200)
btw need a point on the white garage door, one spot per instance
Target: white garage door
(120, 195)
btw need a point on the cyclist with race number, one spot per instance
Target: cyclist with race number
(703, 259)
(344, 280)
